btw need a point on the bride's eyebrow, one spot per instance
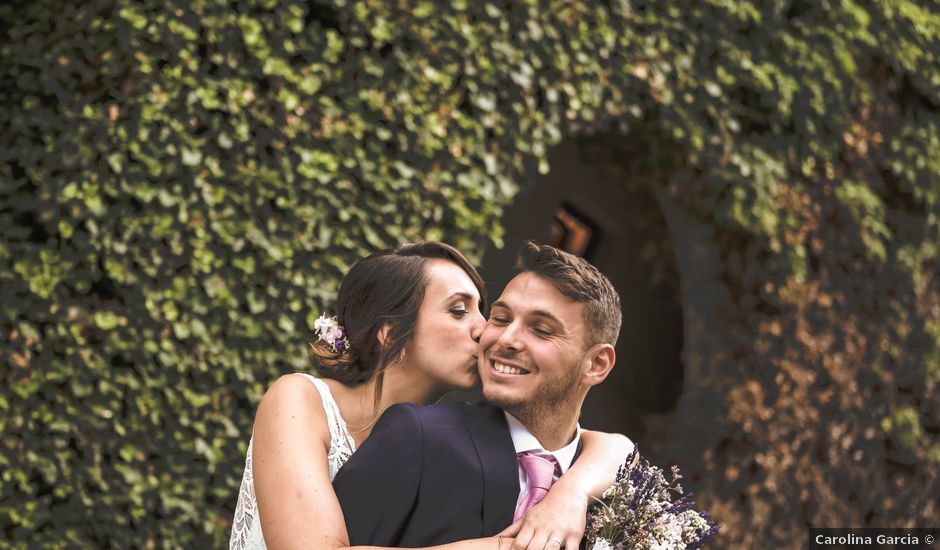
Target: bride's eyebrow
(463, 295)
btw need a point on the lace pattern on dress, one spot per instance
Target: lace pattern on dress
(246, 525)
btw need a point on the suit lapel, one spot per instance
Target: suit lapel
(498, 461)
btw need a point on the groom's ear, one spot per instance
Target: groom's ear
(600, 361)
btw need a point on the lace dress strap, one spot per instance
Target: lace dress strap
(342, 445)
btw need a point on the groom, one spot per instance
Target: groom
(438, 474)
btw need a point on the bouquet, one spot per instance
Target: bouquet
(642, 511)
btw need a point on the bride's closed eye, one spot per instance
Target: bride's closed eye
(459, 311)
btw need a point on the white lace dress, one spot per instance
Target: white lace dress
(246, 527)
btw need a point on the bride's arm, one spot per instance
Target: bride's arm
(562, 513)
(296, 501)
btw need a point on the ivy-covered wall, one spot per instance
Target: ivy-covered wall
(184, 184)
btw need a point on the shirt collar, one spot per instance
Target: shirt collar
(523, 441)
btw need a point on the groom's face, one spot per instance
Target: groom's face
(532, 347)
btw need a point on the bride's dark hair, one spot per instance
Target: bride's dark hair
(387, 287)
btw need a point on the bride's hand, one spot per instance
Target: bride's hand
(561, 516)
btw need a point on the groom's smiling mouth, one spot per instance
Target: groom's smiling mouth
(503, 368)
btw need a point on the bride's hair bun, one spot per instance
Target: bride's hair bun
(342, 366)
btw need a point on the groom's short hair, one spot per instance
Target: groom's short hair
(580, 281)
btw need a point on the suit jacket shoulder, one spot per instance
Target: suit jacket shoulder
(430, 475)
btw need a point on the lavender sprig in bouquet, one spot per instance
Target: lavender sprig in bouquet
(643, 511)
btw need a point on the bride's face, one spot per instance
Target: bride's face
(444, 347)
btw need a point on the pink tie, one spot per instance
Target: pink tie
(540, 469)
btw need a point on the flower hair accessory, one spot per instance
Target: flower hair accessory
(331, 332)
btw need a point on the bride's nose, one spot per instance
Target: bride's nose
(476, 326)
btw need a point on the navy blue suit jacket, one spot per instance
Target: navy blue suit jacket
(430, 475)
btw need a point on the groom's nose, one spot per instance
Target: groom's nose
(509, 339)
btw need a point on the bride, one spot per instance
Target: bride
(406, 330)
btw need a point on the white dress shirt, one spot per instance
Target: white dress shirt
(523, 441)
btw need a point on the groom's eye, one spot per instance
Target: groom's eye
(542, 331)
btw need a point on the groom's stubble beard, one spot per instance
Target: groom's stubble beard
(557, 397)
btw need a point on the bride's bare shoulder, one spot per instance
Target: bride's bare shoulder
(292, 404)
